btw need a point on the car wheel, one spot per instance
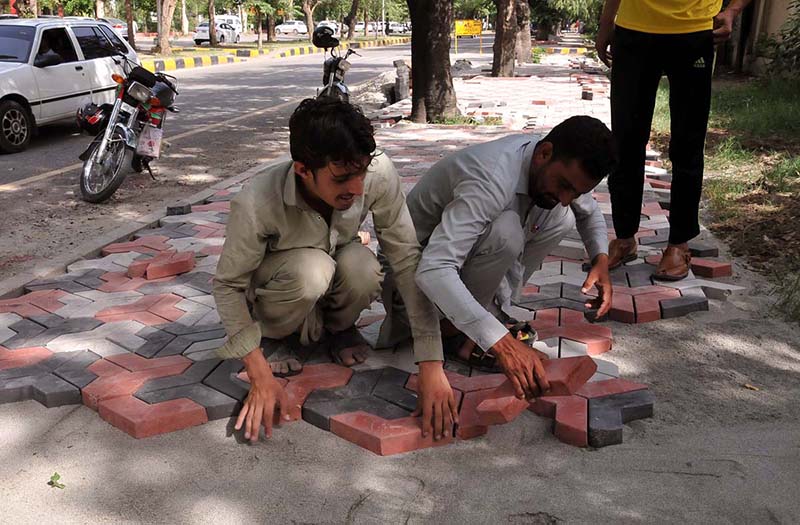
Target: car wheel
(221, 38)
(16, 127)
(198, 42)
(238, 37)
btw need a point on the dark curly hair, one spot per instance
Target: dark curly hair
(586, 140)
(323, 131)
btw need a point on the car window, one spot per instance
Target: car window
(115, 40)
(92, 42)
(57, 41)
(15, 43)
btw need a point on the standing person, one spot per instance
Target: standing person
(649, 38)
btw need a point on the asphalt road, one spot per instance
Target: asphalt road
(212, 95)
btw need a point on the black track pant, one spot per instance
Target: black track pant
(639, 61)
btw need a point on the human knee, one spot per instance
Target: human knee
(505, 238)
(312, 275)
(359, 271)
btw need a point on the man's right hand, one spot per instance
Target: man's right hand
(522, 366)
(265, 397)
(602, 42)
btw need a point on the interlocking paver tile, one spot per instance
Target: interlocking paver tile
(6, 320)
(381, 436)
(76, 370)
(608, 414)
(570, 415)
(47, 389)
(116, 262)
(151, 244)
(22, 357)
(140, 420)
(500, 406)
(149, 310)
(39, 302)
(196, 373)
(682, 306)
(54, 327)
(105, 340)
(216, 404)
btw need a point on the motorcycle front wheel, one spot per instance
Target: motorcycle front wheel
(100, 177)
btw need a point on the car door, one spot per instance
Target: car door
(63, 86)
(98, 55)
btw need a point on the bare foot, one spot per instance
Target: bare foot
(286, 367)
(354, 354)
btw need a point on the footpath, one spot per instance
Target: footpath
(680, 407)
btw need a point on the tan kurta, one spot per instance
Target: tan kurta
(269, 215)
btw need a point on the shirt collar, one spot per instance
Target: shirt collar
(291, 193)
(523, 184)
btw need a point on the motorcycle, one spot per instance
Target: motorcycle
(133, 123)
(335, 66)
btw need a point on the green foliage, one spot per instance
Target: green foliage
(473, 9)
(537, 53)
(54, 481)
(785, 50)
(551, 13)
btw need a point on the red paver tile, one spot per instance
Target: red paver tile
(547, 318)
(654, 163)
(597, 338)
(206, 231)
(622, 308)
(571, 415)
(570, 317)
(648, 307)
(463, 383)
(140, 420)
(655, 183)
(711, 269)
(150, 244)
(602, 197)
(31, 304)
(149, 310)
(137, 363)
(176, 264)
(610, 387)
(383, 436)
(529, 289)
(568, 374)
(22, 356)
(211, 250)
(214, 206)
(121, 282)
(120, 383)
(500, 406)
(470, 425)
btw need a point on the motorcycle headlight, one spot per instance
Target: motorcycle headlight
(139, 92)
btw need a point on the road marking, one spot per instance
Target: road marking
(14, 186)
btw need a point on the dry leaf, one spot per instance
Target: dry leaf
(751, 387)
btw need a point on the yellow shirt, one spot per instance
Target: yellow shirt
(668, 16)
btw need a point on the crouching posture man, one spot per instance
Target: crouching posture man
(293, 262)
(487, 216)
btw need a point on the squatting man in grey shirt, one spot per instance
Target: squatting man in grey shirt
(487, 216)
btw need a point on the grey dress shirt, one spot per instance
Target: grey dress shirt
(458, 198)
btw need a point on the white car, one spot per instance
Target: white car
(396, 28)
(330, 23)
(51, 67)
(292, 27)
(225, 33)
(120, 26)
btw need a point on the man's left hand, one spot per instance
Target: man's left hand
(436, 403)
(599, 278)
(723, 26)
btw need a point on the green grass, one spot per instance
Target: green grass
(462, 120)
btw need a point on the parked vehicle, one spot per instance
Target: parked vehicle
(292, 27)
(120, 26)
(335, 66)
(8, 17)
(225, 33)
(231, 20)
(51, 67)
(330, 23)
(395, 28)
(132, 125)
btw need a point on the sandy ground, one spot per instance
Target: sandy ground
(715, 451)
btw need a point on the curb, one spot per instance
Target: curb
(169, 64)
(565, 50)
(15, 286)
(309, 50)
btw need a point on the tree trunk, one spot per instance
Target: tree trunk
(505, 38)
(167, 12)
(184, 19)
(523, 17)
(212, 26)
(366, 22)
(350, 20)
(308, 8)
(433, 97)
(99, 9)
(270, 28)
(258, 30)
(129, 20)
